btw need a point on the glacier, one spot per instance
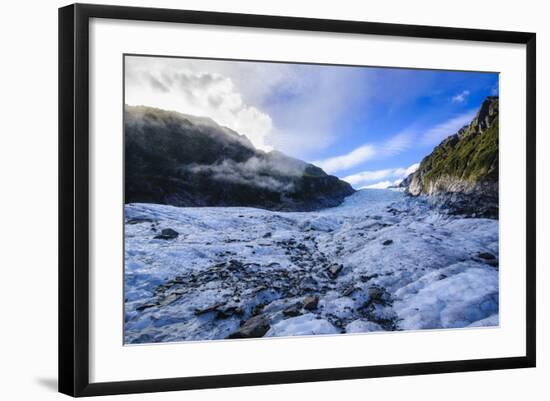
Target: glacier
(381, 261)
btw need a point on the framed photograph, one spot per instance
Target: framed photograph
(251, 199)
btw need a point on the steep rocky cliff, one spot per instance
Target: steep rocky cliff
(182, 160)
(461, 173)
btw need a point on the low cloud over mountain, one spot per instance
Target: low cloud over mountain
(182, 160)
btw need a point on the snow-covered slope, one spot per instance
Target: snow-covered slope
(380, 261)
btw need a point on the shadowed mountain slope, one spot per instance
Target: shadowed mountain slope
(182, 160)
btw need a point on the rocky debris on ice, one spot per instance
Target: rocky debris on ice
(311, 302)
(323, 272)
(167, 233)
(334, 269)
(254, 327)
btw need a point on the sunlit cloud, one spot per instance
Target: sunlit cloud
(346, 161)
(380, 185)
(460, 97)
(436, 134)
(396, 144)
(302, 110)
(259, 100)
(205, 94)
(365, 177)
(411, 169)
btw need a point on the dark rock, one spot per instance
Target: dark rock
(224, 313)
(235, 266)
(364, 279)
(274, 264)
(487, 256)
(348, 291)
(406, 182)
(146, 306)
(208, 309)
(167, 233)
(293, 310)
(258, 309)
(334, 269)
(308, 284)
(387, 242)
(310, 302)
(169, 299)
(138, 220)
(254, 327)
(476, 204)
(267, 235)
(375, 293)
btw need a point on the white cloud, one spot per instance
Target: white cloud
(179, 88)
(383, 184)
(378, 185)
(396, 144)
(411, 169)
(397, 174)
(367, 176)
(436, 134)
(310, 105)
(351, 159)
(460, 97)
(305, 103)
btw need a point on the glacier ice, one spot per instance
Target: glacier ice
(404, 266)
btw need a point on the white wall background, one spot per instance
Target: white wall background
(28, 205)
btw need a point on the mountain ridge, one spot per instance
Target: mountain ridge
(182, 160)
(461, 173)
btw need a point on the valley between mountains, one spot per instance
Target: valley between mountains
(223, 241)
(380, 261)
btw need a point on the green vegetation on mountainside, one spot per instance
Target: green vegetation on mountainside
(470, 155)
(472, 160)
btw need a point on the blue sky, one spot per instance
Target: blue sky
(369, 126)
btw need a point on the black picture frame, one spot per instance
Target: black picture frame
(74, 198)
